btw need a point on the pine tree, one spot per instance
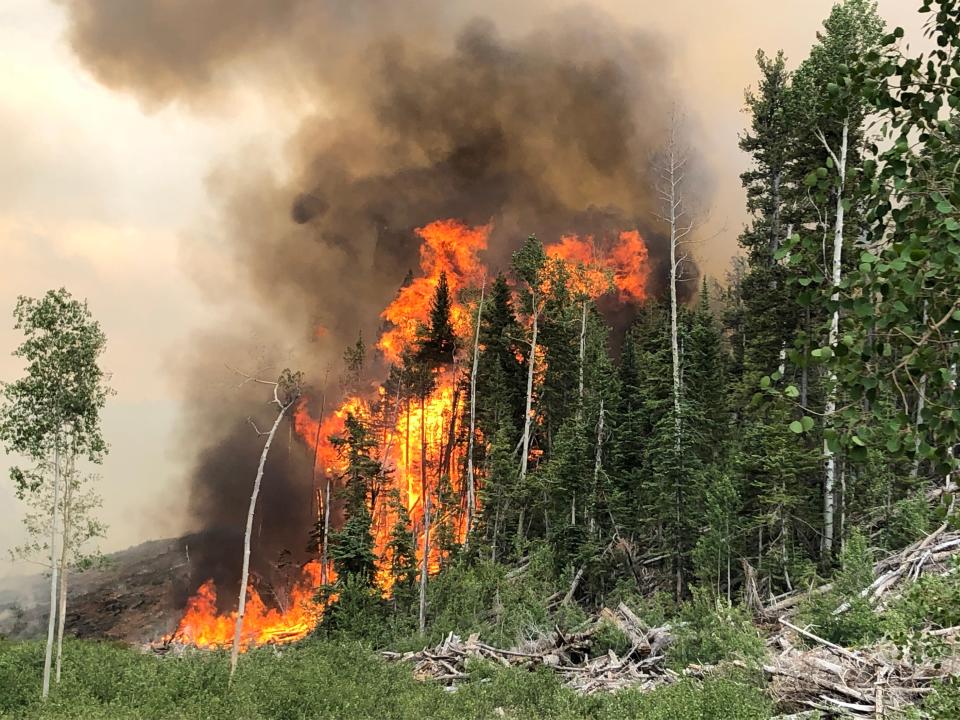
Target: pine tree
(438, 342)
(351, 547)
(402, 554)
(436, 346)
(558, 337)
(500, 374)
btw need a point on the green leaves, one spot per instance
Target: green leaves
(64, 389)
(804, 424)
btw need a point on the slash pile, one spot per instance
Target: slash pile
(567, 654)
(869, 682)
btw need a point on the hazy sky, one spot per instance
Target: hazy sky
(101, 196)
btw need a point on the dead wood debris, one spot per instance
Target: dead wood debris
(808, 675)
(875, 682)
(567, 654)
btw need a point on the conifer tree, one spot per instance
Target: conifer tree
(500, 375)
(402, 554)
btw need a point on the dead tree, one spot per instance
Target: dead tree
(286, 392)
(471, 480)
(671, 168)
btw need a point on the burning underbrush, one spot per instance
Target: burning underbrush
(424, 484)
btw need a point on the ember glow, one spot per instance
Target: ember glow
(608, 266)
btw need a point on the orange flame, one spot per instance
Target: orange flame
(202, 626)
(594, 265)
(448, 246)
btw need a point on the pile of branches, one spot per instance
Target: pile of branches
(928, 555)
(874, 682)
(810, 671)
(568, 654)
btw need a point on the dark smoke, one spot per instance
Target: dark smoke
(422, 112)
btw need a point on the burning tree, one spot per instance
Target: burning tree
(436, 349)
(398, 455)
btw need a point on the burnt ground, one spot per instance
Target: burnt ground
(136, 596)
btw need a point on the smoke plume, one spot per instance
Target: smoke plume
(409, 112)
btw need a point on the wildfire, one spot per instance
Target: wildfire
(448, 247)
(596, 268)
(594, 265)
(203, 627)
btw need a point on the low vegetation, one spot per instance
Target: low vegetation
(320, 679)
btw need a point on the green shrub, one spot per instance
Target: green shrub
(711, 630)
(359, 613)
(908, 521)
(859, 623)
(655, 610)
(320, 679)
(717, 698)
(944, 702)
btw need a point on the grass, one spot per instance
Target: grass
(319, 680)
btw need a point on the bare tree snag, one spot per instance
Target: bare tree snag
(425, 499)
(471, 480)
(528, 406)
(672, 169)
(286, 392)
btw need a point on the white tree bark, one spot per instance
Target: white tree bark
(245, 572)
(918, 417)
(583, 350)
(54, 562)
(528, 407)
(597, 467)
(325, 556)
(64, 558)
(471, 480)
(326, 493)
(826, 543)
(425, 498)
(670, 190)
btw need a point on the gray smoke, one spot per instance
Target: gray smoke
(422, 112)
